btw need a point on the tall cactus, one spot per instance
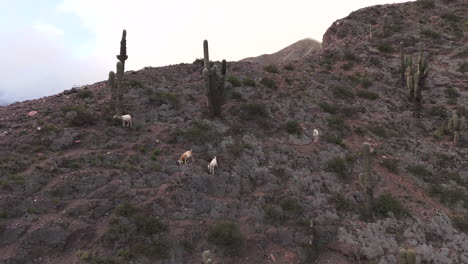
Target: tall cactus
(120, 88)
(214, 83)
(407, 256)
(402, 64)
(416, 80)
(113, 88)
(457, 124)
(122, 57)
(366, 180)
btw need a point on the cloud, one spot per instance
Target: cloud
(37, 65)
(48, 28)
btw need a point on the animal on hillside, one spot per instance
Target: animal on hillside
(184, 157)
(316, 135)
(212, 165)
(126, 120)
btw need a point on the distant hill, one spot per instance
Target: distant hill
(292, 52)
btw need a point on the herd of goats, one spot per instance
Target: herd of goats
(211, 102)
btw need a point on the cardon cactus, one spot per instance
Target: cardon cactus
(407, 256)
(365, 179)
(122, 57)
(120, 88)
(214, 83)
(402, 64)
(415, 80)
(457, 123)
(111, 83)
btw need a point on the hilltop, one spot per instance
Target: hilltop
(77, 187)
(291, 53)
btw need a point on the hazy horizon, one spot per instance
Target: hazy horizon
(51, 45)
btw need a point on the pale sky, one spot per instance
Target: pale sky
(48, 46)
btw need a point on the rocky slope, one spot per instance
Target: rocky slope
(76, 187)
(291, 53)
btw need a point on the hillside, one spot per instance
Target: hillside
(291, 53)
(77, 187)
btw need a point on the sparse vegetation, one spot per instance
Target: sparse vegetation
(289, 67)
(84, 93)
(431, 33)
(461, 223)
(419, 171)
(227, 236)
(387, 203)
(369, 95)
(270, 83)
(391, 165)
(273, 213)
(253, 111)
(342, 92)
(136, 84)
(338, 166)
(271, 69)
(290, 205)
(385, 48)
(463, 68)
(426, 4)
(328, 108)
(248, 82)
(451, 92)
(237, 149)
(234, 81)
(293, 127)
(81, 118)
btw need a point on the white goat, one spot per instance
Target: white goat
(126, 120)
(184, 157)
(316, 135)
(212, 165)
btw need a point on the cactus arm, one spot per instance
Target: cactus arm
(206, 56)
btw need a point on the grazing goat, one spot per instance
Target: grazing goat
(187, 155)
(212, 165)
(126, 120)
(316, 135)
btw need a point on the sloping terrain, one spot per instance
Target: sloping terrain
(291, 53)
(77, 187)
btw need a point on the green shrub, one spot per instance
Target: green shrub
(450, 17)
(341, 202)
(426, 4)
(448, 196)
(187, 246)
(391, 165)
(350, 56)
(272, 213)
(148, 224)
(234, 81)
(199, 131)
(338, 166)
(84, 93)
(155, 248)
(290, 205)
(419, 171)
(237, 149)
(431, 33)
(387, 203)
(367, 95)
(328, 108)
(227, 236)
(236, 96)
(347, 66)
(461, 223)
(378, 131)
(253, 111)
(385, 48)
(336, 122)
(125, 209)
(270, 83)
(289, 67)
(451, 92)
(271, 68)
(293, 127)
(248, 82)
(464, 67)
(360, 131)
(335, 139)
(160, 98)
(342, 92)
(82, 118)
(136, 84)
(125, 254)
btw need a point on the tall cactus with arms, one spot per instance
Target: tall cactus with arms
(214, 83)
